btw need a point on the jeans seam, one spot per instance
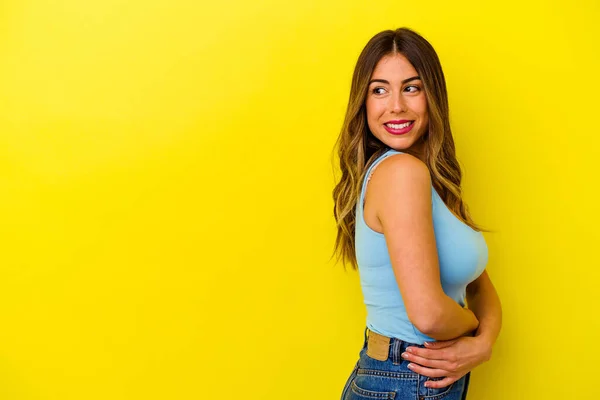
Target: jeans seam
(369, 393)
(350, 380)
(388, 374)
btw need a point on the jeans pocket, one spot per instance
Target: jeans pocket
(438, 394)
(358, 393)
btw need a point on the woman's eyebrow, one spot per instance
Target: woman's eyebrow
(403, 82)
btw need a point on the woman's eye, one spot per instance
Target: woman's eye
(416, 88)
(376, 90)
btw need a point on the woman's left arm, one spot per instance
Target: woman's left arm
(452, 359)
(483, 300)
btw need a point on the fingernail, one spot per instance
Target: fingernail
(427, 344)
(410, 366)
(427, 384)
(409, 349)
(405, 355)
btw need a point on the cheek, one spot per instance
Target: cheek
(423, 106)
(374, 109)
(371, 112)
(420, 108)
(372, 115)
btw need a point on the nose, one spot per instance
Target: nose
(397, 103)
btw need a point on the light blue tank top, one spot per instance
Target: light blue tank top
(462, 254)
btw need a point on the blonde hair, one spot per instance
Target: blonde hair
(357, 148)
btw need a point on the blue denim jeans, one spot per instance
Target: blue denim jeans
(392, 379)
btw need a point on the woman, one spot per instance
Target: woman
(403, 224)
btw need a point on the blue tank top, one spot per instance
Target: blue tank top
(462, 254)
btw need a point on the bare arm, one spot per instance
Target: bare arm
(485, 304)
(401, 189)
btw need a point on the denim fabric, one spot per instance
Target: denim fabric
(391, 379)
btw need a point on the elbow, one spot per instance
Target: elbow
(426, 326)
(427, 322)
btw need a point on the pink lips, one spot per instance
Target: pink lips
(399, 131)
(398, 121)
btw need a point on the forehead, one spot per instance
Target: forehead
(394, 67)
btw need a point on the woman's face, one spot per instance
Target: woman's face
(395, 98)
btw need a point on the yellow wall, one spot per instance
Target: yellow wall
(165, 205)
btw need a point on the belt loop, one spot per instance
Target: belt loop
(366, 338)
(396, 351)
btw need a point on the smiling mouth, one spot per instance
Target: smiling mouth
(399, 126)
(399, 129)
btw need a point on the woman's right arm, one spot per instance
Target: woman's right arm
(401, 191)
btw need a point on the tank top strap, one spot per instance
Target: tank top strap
(379, 159)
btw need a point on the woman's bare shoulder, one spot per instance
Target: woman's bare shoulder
(399, 179)
(401, 169)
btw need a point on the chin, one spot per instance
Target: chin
(400, 142)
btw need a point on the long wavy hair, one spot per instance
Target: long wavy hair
(357, 147)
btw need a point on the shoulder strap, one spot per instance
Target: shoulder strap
(370, 171)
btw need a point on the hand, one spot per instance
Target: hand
(451, 359)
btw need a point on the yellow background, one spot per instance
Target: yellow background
(166, 176)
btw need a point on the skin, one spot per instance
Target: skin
(453, 359)
(393, 95)
(396, 100)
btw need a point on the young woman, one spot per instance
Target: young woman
(403, 224)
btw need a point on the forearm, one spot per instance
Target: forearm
(450, 320)
(483, 300)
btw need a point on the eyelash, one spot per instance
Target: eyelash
(379, 87)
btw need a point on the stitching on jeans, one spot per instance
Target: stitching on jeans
(350, 380)
(440, 395)
(368, 393)
(388, 374)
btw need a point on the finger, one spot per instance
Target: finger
(432, 373)
(441, 383)
(426, 362)
(441, 344)
(431, 354)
